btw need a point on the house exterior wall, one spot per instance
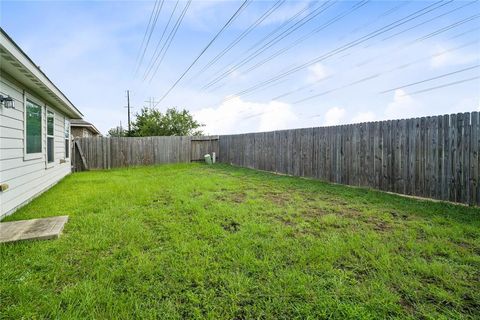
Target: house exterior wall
(78, 132)
(27, 178)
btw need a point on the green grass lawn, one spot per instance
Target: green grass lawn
(196, 241)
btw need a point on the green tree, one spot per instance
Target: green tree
(152, 122)
(117, 132)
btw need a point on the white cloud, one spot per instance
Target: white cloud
(205, 15)
(317, 72)
(402, 106)
(364, 117)
(443, 57)
(465, 105)
(236, 115)
(277, 115)
(285, 12)
(334, 116)
(201, 14)
(440, 57)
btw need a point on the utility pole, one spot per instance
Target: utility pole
(128, 107)
(152, 103)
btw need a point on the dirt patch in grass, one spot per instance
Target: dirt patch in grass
(285, 220)
(196, 194)
(470, 305)
(235, 197)
(231, 226)
(314, 212)
(407, 306)
(162, 199)
(381, 226)
(467, 246)
(398, 215)
(353, 266)
(278, 197)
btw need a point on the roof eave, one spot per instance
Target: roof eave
(35, 73)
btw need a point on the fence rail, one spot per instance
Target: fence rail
(435, 157)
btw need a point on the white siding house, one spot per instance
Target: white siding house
(35, 133)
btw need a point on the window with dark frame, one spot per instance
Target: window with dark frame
(50, 136)
(33, 126)
(67, 139)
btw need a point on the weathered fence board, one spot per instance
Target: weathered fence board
(435, 157)
(106, 153)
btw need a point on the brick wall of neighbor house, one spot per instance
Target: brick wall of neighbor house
(26, 178)
(81, 133)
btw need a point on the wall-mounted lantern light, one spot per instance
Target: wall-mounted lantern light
(7, 102)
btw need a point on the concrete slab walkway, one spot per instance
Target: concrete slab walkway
(33, 229)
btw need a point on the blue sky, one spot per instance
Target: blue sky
(90, 49)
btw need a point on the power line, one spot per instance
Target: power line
(302, 88)
(429, 35)
(232, 18)
(409, 94)
(418, 60)
(453, 25)
(308, 35)
(266, 47)
(429, 20)
(146, 31)
(155, 55)
(402, 66)
(274, 31)
(157, 13)
(378, 75)
(444, 85)
(347, 46)
(399, 22)
(464, 33)
(431, 79)
(383, 14)
(272, 42)
(169, 40)
(301, 39)
(379, 17)
(265, 38)
(262, 18)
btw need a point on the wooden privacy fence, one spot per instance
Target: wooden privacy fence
(106, 153)
(435, 157)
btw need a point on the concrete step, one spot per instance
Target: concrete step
(33, 229)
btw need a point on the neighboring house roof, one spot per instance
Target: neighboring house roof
(80, 123)
(16, 63)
